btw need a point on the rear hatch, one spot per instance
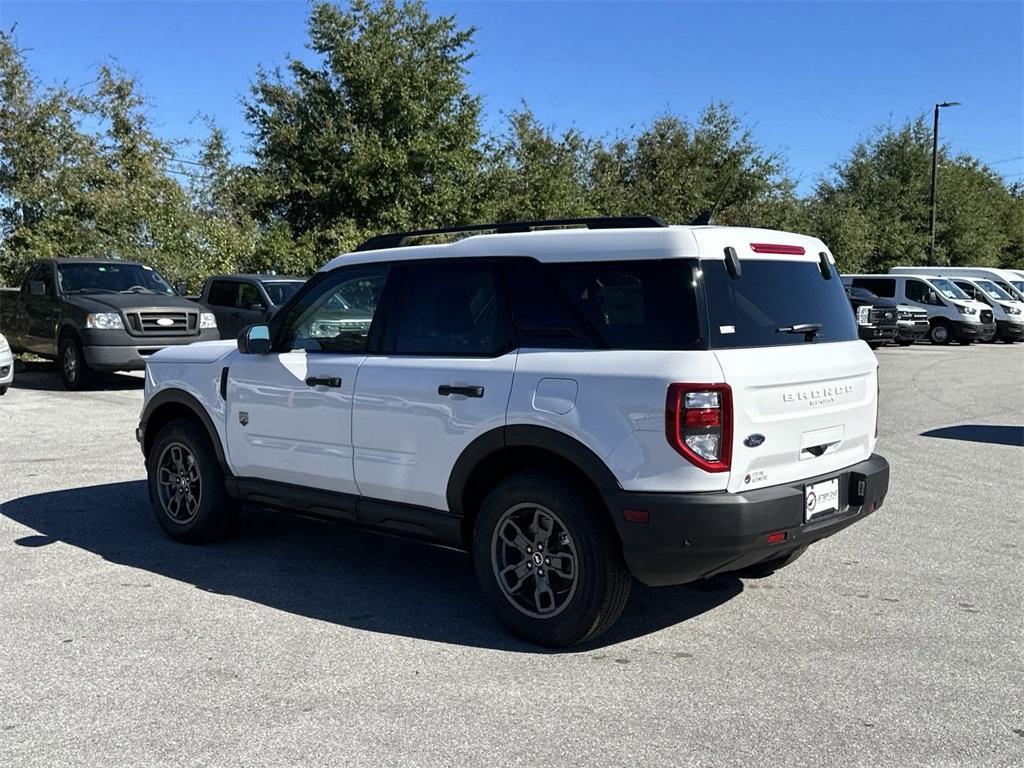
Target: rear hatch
(804, 388)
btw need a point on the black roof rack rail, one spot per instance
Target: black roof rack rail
(398, 239)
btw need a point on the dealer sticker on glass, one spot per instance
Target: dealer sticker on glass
(821, 498)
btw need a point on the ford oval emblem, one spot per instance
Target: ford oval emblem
(165, 321)
(754, 440)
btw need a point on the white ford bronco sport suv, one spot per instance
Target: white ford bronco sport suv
(574, 407)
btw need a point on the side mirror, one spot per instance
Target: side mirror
(37, 288)
(180, 288)
(254, 340)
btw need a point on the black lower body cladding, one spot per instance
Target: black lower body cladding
(1008, 331)
(694, 535)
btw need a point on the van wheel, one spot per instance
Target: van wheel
(768, 567)
(548, 560)
(941, 332)
(186, 485)
(74, 371)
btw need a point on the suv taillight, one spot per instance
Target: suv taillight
(698, 424)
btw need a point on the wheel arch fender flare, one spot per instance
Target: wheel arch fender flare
(545, 439)
(174, 403)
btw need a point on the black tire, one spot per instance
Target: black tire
(74, 370)
(768, 567)
(941, 332)
(183, 444)
(581, 540)
(3, 391)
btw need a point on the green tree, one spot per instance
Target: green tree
(379, 133)
(875, 211)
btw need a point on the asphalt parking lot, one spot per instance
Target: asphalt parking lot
(898, 642)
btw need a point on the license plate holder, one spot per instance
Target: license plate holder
(821, 498)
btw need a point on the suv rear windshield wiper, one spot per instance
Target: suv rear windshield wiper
(809, 330)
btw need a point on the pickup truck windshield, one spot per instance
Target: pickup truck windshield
(279, 291)
(111, 278)
(948, 290)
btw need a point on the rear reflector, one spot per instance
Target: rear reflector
(786, 250)
(777, 537)
(636, 515)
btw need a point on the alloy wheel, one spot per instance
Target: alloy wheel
(535, 560)
(179, 485)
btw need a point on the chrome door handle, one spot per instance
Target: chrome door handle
(323, 381)
(446, 390)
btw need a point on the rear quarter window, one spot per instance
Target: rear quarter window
(772, 295)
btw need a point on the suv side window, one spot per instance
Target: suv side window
(336, 313)
(880, 286)
(920, 292)
(249, 296)
(451, 309)
(543, 317)
(222, 293)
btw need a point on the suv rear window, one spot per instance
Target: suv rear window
(770, 295)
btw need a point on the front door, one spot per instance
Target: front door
(289, 412)
(41, 312)
(443, 379)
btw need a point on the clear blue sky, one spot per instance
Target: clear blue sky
(809, 78)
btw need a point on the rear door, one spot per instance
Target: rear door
(803, 404)
(252, 306)
(289, 413)
(222, 299)
(444, 379)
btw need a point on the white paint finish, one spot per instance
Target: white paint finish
(6, 361)
(621, 395)
(556, 396)
(184, 369)
(407, 437)
(197, 352)
(601, 245)
(295, 433)
(947, 310)
(784, 393)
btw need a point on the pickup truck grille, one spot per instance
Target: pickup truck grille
(882, 316)
(162, 322)
(986, 315)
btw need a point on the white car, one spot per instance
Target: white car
(575, 407)
(6, 365)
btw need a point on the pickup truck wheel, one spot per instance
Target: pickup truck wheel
(3, 391)
(768, 567)
(74, 371)
(940, 332)
(186, 485)
(548, 562)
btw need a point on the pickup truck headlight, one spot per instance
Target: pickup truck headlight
(104, 321)
(967, 310)
(863, 315)
(207, 320)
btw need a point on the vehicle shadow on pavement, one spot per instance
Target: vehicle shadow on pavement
(980, 433)
(44, 376)
(323, 571)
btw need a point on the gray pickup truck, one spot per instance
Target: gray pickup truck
(96, 315)
(241, 300)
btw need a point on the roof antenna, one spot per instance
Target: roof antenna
(703, 218)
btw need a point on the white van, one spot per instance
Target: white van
(1010, 280)
(1008, 312)
(952, 314)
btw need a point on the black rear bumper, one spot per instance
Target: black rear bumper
(693, 535)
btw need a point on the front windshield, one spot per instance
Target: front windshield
(948, 290)
(93, 277)
(280, 291)
(993, 290)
